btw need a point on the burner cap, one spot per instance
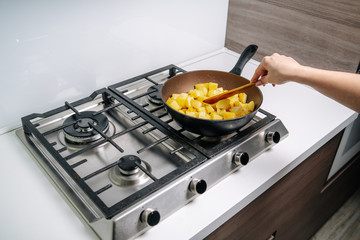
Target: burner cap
(154, 93)
(128, 164)
(80, 130)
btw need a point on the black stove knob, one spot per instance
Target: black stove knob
(241, 158)
(197, 186)
(273, 137)
(150, 216)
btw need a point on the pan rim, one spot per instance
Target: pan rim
(220, 72)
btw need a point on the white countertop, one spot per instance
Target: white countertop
(31, 208)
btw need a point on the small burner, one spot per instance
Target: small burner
(81, 131)
(127, 172)
(154, 94)
(128, 164)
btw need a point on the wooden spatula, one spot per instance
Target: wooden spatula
(227, 94)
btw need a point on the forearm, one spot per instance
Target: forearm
(340, 86)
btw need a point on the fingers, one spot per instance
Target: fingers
(275, 69)
(258, 73)
(262, 81)
(259, 83)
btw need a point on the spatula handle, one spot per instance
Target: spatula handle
(227, 94)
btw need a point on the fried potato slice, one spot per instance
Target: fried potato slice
(191, 103)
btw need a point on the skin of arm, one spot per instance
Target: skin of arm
(341, 86)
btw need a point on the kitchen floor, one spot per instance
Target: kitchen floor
(344, 224)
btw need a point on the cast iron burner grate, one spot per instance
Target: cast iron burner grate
(95, 124)
(147, 98)
(190, 151)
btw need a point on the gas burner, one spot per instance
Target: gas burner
(154, 94)
(128, 165)
(80, 127)
(128, 171)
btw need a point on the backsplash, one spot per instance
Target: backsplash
(52, 52)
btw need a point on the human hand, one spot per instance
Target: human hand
(275, 69)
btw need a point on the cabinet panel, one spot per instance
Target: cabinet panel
(298, 205)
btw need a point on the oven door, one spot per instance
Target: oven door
(348, 148)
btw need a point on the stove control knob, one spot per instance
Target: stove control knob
(273, 137)
(197, 186)
(241, 158)
(150, 216)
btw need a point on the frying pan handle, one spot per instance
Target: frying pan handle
(245, 56)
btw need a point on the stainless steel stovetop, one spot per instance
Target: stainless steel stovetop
(124, 165)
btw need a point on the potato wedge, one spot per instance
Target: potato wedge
(191, 103)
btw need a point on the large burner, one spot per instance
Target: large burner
(80, 127)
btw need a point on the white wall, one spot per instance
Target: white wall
(57, 51)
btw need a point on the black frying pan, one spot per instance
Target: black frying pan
(185, 82)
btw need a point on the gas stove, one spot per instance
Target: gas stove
(124, 165)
